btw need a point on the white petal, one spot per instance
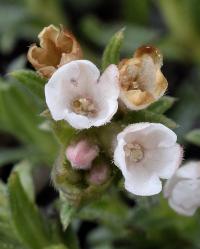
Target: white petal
(119, 156)
(78, 121)
(181, 210)
(149, 135)
(142, 182)
(107, 94)
(185, 196)
(158, 135)
(190, 170)
(57, 88)
(108, 85)
(163, 161)
(133, 128)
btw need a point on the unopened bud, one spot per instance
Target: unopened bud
(98, 174)
(82, 154)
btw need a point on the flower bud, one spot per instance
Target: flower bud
(98, 174)
(57, 47)
(82, 154)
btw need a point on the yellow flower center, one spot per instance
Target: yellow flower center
(134, 152)
(84, 106)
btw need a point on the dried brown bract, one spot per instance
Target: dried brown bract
(141, 79)
(57, 47)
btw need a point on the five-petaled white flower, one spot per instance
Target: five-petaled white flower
(183, 189)
(76, 93)
(144, 153)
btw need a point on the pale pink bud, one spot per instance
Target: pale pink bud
(82, 154)
(98, 174)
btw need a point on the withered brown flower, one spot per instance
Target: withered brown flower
(57, 47)
(141, 80)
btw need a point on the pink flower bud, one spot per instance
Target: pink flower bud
(82, 154)
(98, 174)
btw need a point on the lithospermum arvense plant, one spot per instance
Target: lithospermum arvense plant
(109, 120)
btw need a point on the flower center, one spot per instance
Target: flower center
(134, 152)
(84, 106)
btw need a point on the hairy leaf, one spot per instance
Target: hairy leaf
(24, 170)
(67, 211)
(27, 220)
(32, 81)
(19, 116)
(112, 51)
(162, 105)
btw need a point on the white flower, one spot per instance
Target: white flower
(77, 94)
(144, 153)
(183, 189)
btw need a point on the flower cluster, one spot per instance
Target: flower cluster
(90, 103)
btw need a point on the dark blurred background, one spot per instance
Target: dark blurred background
(172, 25)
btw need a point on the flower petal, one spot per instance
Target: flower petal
(191, 170)
(153, 135)
(142, 182)
(185, 197)
(108, 84)
(59, 87)
(164, 161)
(107, 94)
(181, 210)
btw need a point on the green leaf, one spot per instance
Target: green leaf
(27, 220)
(162, 105)
(108, 210)
(194, 137)
(112, 51)
(24, 170)
(63, 131)
(67, 211)
(12, 155)
(8, 239)
(147, 116)
(19, 115)
(32, 81)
